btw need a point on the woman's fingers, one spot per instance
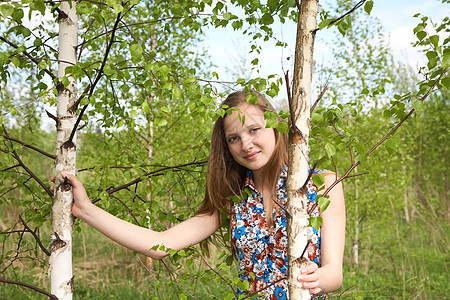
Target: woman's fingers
(310, 278)
(309, 269)
(316, 291)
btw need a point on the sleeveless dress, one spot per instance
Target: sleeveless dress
(262, 251)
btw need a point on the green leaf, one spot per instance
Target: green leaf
(315, 222)
(15, 61)
(244, 285)
(6, 10)
(4, 57)
(446, 59)
(136, 53)
(266, 19)
(434, 39)
(18, 15)
(65, 81)
(227, 16)
(164, 69)
(421, 35)
(418, 105)
(176, 92)
(318, 179)
(227, 296)
(324, 23)
(323, 202)
(331, 150)
(446, 82)
(317, 118)
(368, 7)
(38, 5)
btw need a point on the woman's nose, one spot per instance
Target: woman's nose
(247, 143)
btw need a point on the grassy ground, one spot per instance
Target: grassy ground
(402, 261)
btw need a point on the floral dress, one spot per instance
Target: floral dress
(262, 251)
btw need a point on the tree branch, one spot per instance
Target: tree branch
(99, 75)
(29, 146)
(38, 240)
(357, 5)
(51, 296)
(319, 98)
(153, 173)
(16, 157)
(27, 55)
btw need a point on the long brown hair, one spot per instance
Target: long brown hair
(225, 176)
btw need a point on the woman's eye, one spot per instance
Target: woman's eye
(232, 139)
(255, 129)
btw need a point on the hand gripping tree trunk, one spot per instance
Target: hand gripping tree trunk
(298, 146)
(62, 220)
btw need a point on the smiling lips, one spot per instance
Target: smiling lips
(252, 155)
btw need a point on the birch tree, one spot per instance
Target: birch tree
(298, 165)
(66, 123)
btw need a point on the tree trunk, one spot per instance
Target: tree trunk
(298, 146)
(355, 244)
(62, 220)
(405, 197)
(149, 260)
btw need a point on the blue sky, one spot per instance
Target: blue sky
(396, 17)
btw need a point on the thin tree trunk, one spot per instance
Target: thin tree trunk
(62, 220)
(405, 198)
(149, 260)
(355, 244)
(298, 146)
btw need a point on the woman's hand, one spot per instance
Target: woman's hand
(310, 278)
(81, 199)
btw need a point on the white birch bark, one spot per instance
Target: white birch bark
(298, 146)
(62, 219)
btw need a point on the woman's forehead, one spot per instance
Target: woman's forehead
(245, 115)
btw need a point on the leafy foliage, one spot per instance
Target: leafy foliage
(150, 101)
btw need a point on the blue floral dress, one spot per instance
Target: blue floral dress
(262, 251)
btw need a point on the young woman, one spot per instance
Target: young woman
(244, 155)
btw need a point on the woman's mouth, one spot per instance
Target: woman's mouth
(252, 155)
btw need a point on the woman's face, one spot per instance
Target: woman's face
(251, 144)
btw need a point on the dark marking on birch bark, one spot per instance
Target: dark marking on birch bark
(65, 186)
(301, 191)
(57, 243)
(59, 87)
(70, 284)
(302, 260)
(296, 137)
(68, 145)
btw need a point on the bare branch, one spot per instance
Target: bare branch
(51, 296)
(17, 157)
(38, 240)
(319, 98)
(29, 146)
(357, 5)
(149, 174)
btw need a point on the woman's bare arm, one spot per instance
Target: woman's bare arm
(140, 239)
(328, 277)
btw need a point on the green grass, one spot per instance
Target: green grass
(400, 261)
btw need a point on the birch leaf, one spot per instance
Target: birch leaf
(318, 180)
(315, 222)
(323, 202)
(368, 7)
